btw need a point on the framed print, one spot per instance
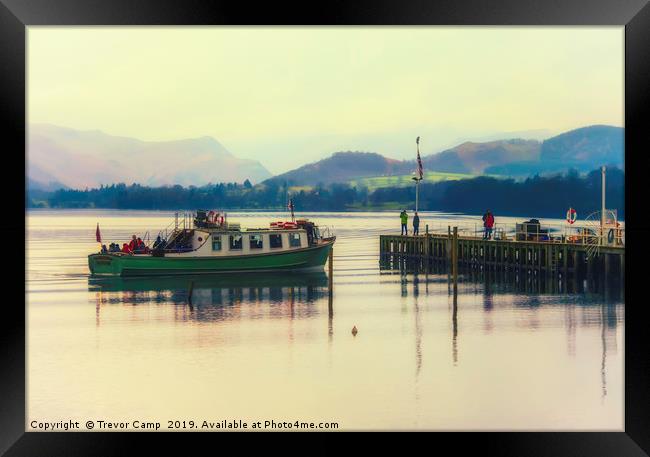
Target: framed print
(383, 217)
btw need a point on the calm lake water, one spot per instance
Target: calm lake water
(276, 347)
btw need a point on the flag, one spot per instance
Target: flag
(98, 235)
(420, 171)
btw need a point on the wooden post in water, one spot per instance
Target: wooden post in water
(622, 269)
(330, 295)
(454, 322)
(330, 263)
(189, 294)
(454, 258)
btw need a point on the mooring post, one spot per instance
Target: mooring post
(622, 269)
(330, 292)
(330, 265)
(454, 248)
(189, 293)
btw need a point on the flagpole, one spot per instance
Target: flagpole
(418, 177)
(98, 237)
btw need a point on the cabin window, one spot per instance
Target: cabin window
(216, 243)
(235, 242)
(276, 240)
(256, 242)
(294, 240)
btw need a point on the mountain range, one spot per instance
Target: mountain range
(583, 149)
(63, 157)
(60, 157)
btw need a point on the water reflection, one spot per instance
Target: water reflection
(598, 302)
(217, 297)
(548, 353)
(531, 282)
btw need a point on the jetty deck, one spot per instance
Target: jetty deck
(554, 256)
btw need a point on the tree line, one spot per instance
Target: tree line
(537, 196)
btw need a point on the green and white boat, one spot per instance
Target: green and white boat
(213, 245)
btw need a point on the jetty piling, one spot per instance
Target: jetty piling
(189, 293)
(557, 257)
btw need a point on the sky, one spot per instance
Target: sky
(287, 96)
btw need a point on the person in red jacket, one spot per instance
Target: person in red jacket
(133, 245)
(126, 249)
(488, 223)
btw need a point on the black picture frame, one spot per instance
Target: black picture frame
(16, 15)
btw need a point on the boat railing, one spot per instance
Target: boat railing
(175, 225)
(326, 231)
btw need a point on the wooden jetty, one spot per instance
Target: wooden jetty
(472, 252)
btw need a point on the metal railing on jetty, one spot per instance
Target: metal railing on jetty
(588, 234)
(552, 250)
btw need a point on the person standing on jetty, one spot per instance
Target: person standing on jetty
(404, 218)
(488, 223)
(416, 224)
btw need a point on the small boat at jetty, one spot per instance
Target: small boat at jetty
(206, 242)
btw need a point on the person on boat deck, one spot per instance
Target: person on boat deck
(139, 246)
(157, 242)
(404, 219)
(416, 224)
(126, 249)
(133, 244)
(104, 250)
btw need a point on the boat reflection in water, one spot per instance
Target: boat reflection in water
(212, 297)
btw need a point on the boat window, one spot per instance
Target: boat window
(235, 242)
(276, 240)
(216, 243)
(294, 239)
(256, 241)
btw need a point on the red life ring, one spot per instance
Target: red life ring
(571, 215)
(290, 225)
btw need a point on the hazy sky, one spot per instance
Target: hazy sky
(290, 95)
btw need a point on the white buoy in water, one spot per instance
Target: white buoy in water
(354, 330)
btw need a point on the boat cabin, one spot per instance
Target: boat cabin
(212, 235)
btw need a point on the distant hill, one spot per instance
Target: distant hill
(342, 167)
(584, 149)
(475, 158)
(79, 159)
(38, 179)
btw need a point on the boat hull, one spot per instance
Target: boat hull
(217, 281)
(311, 258)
